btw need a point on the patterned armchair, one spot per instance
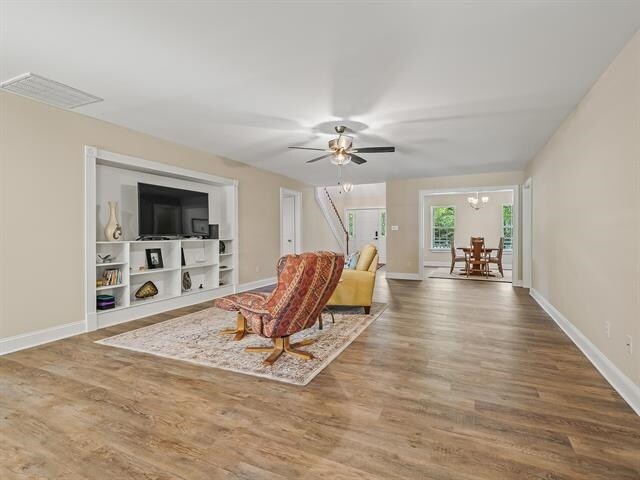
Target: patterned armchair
(305, 283)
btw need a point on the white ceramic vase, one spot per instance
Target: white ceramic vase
(113, 230)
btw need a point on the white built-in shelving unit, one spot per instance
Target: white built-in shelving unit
(114, 177)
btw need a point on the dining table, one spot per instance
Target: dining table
(475, 260)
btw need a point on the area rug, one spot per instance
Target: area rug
(444, 273)
(196, 338)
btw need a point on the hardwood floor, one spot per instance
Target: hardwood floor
(456, 380)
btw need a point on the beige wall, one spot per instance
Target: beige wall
(42, 209)
(402, 210)
(486, 222)
(586, 213)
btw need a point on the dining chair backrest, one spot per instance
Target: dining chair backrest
(477, 246)
(500, 248)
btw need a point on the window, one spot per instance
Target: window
(507, 226)
(443, 225)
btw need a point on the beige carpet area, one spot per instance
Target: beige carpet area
(444, 273)
(196, 338)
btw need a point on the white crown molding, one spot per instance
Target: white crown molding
(402, 276)
(39, 337)
(245, 287)
(627, 389)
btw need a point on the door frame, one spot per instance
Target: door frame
(515, 268)
(527, 232)
(287, 192)
(346, 217)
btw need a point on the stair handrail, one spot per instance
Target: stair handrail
(344, 229)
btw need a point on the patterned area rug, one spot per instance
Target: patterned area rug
(196, 338)
(444, 273)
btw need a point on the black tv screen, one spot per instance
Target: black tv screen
(166, 211)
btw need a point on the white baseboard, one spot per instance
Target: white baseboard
(402, 276)
(33, 339)
(618, 380)
(244, 287)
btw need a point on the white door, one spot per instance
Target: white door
(288, 236)
(368, 226)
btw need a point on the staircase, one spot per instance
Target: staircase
(331, 214)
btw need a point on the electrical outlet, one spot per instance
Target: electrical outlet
(607, 329)
(629, 345)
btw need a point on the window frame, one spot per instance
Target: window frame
(432, 227)
(509, 250)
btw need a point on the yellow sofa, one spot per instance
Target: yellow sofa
(356, 286)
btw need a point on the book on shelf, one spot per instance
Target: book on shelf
(111, 276)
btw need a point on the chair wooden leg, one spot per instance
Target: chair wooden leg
(320, 325)
(241, 328)
(280, 346)
(367, 310)
(453, 265)
(500, 269)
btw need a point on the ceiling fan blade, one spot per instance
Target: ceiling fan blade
(320, 158)
(356, 159)
(307, 148)
(375, 149)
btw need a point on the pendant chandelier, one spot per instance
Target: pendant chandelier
(477, 203)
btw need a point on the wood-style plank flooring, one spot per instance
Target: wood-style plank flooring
(456, 380)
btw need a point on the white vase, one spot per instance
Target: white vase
(113, 230)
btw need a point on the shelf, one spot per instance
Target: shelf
(198, 265)
(225, 269)
(115, 242)
(111, 287)
(158, 298)
(225, 254)
(226, 239)
(199, 240)
(110, 264)
(197, 290)
(119, 307)
(152, 270)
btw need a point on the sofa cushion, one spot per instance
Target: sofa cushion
(366, 256)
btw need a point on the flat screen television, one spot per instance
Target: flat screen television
(171, 212)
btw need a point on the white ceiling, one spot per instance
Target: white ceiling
(457, 87)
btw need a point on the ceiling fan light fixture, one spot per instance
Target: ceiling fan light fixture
(341, 158)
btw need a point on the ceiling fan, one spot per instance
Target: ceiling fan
(341, 150)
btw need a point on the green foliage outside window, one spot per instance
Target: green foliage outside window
(442, 227)
(507, 226)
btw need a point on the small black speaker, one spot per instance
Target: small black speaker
(213, 231)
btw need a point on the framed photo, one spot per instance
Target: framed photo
(200, 226)
(154, 258)
(182, 257)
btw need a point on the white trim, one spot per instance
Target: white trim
(39, 337)
(445, 191)
(627, 389)
(527, 232)
(244, 287)
(286, 192)
(402, 276)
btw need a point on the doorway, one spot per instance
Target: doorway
(507, 225)
(368, 225)
(290, 221)
(527, 232)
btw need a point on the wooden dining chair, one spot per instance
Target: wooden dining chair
(456, 258)
(498, 258)
(477, 258)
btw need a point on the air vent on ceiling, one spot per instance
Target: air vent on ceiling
(48, 91)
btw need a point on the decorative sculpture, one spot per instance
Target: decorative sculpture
(147, 290)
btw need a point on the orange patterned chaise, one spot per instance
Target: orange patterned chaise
(305, 283)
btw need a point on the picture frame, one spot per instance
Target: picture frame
(200, 226)
(154, 258)
(182, 260)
